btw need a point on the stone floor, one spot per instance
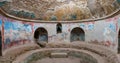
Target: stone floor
(5, 60)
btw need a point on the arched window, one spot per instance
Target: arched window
(77, 34)
(59, 28)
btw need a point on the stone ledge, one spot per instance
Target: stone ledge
(59, 55)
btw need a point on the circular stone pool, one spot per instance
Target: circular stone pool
(59, 55)
(58, 60)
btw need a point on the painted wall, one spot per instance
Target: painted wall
(104, 32)
(16, 33)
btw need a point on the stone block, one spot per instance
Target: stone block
(59, 55)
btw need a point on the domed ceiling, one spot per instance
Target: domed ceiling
(59, 10)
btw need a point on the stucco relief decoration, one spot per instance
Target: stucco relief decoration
(59, 10)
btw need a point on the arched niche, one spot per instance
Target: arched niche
(77, 34)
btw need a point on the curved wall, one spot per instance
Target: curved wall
(104, 32)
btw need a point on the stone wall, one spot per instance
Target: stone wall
(15, 32)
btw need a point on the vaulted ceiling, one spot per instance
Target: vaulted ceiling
(60, 10)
